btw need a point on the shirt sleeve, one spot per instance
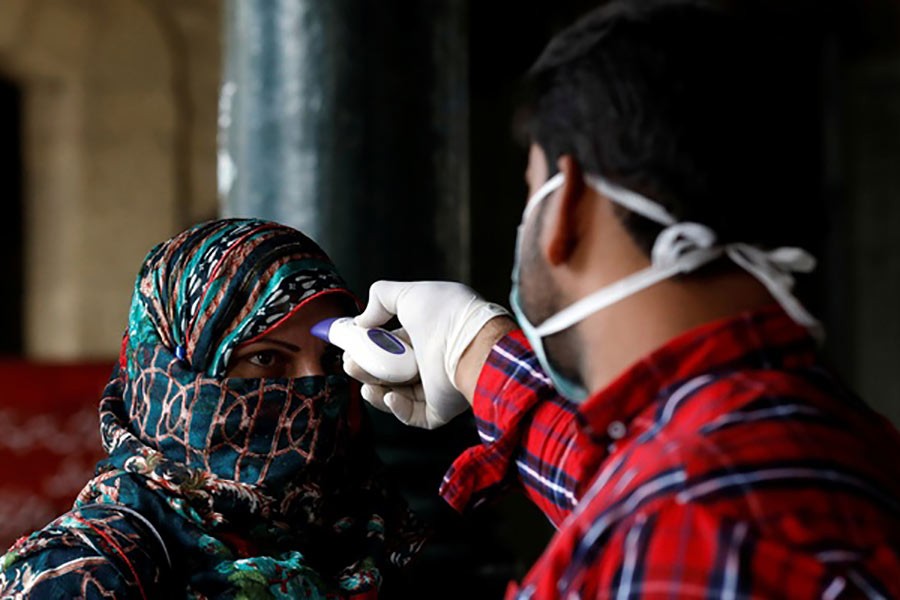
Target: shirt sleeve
(528, 432)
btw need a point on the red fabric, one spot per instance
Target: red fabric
(49, 440)
(729, 463)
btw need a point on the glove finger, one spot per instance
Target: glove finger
(374, 395)
(382, 303)
(412, 412)
(401, 406)
(356, 372)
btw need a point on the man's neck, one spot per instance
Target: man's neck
(624, 333)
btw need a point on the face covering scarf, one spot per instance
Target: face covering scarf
(681, 247)
(263, 488)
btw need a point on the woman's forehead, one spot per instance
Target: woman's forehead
(322, 307)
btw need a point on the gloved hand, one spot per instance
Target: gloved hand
(440, 319)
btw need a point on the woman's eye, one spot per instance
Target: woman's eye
(263, 359)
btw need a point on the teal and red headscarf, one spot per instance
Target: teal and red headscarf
(264, 488)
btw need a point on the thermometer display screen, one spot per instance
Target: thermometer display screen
(386, 341)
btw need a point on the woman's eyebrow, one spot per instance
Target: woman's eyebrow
(288, 345)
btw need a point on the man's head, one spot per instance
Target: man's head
(685, 101)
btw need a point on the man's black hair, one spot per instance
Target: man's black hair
(696, 105)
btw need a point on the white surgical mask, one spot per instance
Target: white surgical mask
(679, 248)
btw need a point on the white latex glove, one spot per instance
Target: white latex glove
(440, 319)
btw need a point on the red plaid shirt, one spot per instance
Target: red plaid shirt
(727, 464)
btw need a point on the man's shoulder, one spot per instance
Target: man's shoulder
(759, 446)
(727, 407)
(752, 425)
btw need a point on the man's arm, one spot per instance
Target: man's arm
(469, 353)
(476, 354)
(528, 432)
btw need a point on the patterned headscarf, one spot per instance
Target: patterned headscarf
(264, 487)
(216, 285)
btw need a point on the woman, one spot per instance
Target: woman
(238, 463)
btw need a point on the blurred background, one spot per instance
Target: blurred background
(385, 130)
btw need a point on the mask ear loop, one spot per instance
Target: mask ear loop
(548, 186)
(682, 248)
(679, 248)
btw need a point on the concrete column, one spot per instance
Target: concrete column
(349, 121)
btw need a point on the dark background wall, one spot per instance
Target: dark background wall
(863, 183)
(11, 261)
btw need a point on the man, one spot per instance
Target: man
(700, 448)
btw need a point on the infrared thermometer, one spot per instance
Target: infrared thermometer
(378, 352)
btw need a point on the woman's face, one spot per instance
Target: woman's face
(290, 350)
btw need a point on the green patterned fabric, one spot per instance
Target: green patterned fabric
(220, 487)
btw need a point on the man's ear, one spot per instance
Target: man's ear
(565, 227)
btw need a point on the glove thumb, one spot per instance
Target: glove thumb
(382, 304)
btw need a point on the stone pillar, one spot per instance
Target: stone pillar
(349, 121)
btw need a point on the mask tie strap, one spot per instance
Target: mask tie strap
(633, 201)
(774, 270)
